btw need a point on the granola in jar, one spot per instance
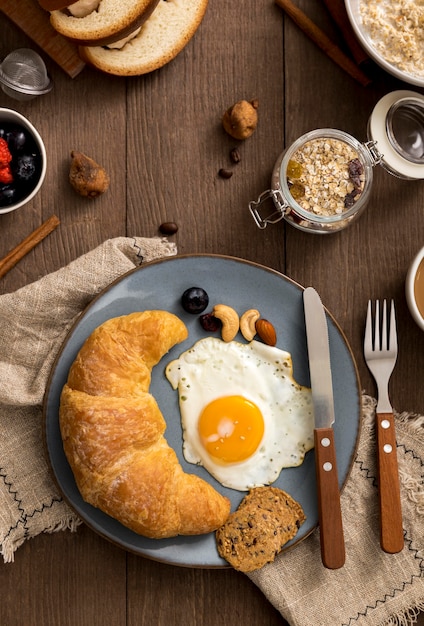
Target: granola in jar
(325, 176)
(320, 184)
(396, 28)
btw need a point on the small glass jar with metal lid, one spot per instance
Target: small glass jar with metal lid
(323, 181)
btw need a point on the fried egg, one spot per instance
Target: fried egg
(244, 417)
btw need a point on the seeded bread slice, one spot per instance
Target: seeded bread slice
(266, 519)
(113, 20)
(167, 31)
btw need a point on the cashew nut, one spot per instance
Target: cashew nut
(230, 321)
(247, 323)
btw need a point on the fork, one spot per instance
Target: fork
(380, 351)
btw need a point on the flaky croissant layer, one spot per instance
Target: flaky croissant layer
(113, 432)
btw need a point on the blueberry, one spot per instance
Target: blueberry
(16, 139)
(194, 300)
(25, 167)
(7, 195)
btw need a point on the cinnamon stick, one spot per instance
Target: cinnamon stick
(324, 42)
(15, 255)
(337, 10)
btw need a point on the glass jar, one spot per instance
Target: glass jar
(323, 181)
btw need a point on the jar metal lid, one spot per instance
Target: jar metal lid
(395, 157)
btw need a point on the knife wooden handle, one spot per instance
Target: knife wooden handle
(391, 528)
(329, 511)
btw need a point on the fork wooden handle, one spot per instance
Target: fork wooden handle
(391, 529)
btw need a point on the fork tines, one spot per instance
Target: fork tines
(382, 334)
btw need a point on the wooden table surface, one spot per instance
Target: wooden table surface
(160, 138)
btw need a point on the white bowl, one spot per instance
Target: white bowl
(353, 11)
(9, 116)
(410, 288)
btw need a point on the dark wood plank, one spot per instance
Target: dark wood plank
(183, 128)
(65, 579)
(176, 595)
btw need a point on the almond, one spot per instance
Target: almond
(266, 331)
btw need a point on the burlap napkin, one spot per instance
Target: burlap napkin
(373, 588)
(33, 324)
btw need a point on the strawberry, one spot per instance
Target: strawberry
(6, 175)
(5, 158)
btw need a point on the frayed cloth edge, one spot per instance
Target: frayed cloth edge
(408, 617)
(9, 546)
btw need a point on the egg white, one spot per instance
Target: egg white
(212, 368)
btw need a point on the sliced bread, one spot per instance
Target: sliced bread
(166, 32)
(111, 21)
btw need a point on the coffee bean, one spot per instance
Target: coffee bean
(225, 173)
(235, 155)
(168, 228)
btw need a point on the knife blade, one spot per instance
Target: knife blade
(328, 493)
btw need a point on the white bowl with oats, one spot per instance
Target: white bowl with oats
(392, 33)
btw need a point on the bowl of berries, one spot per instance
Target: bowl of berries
(22, 160)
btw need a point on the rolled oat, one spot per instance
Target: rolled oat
(396, 28)
(325, 176)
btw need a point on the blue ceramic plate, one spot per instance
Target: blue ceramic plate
(243, 285)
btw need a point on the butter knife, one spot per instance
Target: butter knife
(328, 493)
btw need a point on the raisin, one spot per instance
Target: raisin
(351, 198)
(297, 191)
(210, 323)
(355, 170)
(294, 169)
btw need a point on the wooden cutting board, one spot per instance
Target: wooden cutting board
(34, 21)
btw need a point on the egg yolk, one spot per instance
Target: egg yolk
(231, 428)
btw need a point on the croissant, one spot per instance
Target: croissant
(113, 432)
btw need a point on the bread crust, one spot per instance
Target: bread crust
(108, 24)
(113, 432)
(163, 35)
